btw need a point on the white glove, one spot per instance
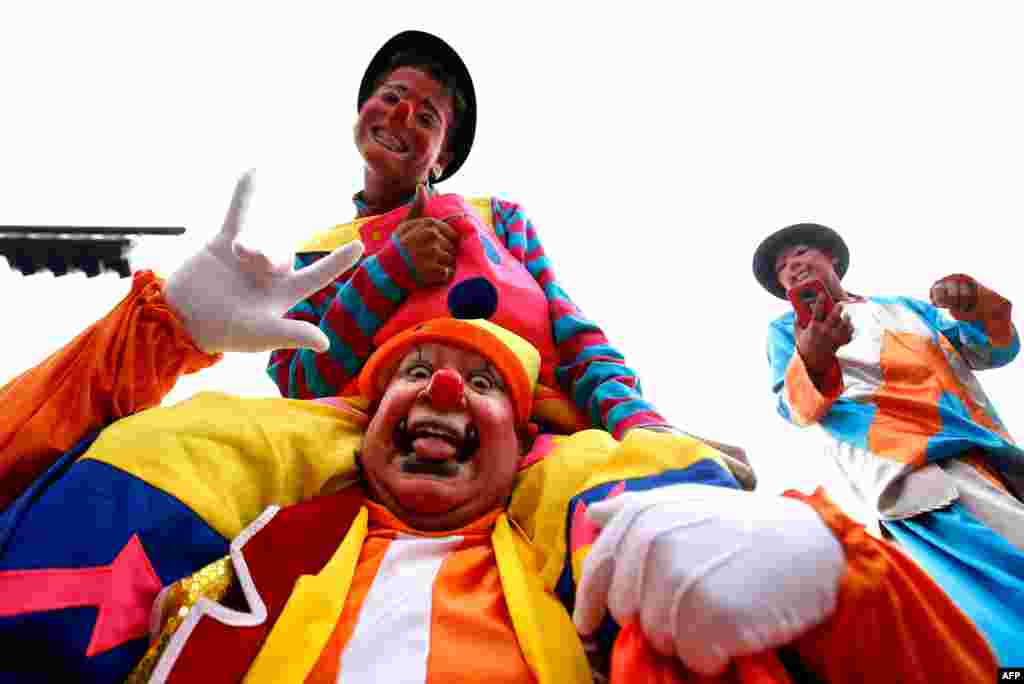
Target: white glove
(232, 298)
(712, 573)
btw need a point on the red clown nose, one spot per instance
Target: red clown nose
(401, 112)
(445, 390)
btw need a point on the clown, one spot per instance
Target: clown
(430, 254)
(890, 380)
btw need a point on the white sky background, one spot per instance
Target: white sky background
(653, 145)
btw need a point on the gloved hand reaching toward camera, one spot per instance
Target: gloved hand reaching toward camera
(232, 298)
(710, 573)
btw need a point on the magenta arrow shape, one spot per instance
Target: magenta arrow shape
(123, 591)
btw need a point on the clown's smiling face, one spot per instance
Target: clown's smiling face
(441, 455)
(402, 128)
(800, 263)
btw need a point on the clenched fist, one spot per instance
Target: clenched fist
(430, 243)
(958, 293)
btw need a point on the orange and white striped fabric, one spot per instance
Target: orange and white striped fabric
(424, 608)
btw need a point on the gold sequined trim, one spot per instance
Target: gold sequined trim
(212, 582)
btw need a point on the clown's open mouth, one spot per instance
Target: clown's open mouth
(430, 448)
(388, 141)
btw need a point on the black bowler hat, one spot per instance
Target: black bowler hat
(434, 49)
(811, 234)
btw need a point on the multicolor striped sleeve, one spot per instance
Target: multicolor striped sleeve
(350, 311)
(987, 340)
(590, 370)
(800, 400)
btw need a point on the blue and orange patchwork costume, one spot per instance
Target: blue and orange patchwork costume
(911, 428)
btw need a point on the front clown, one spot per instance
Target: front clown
(457, 544)
(445, 443)
(425, 575)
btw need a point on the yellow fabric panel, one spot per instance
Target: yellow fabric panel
(344, 233)
(335, 237)
(547, 636)
(228, 458)
(482, 207)
(544, 630)
(584, 460)
(555, 408)
(309, 617)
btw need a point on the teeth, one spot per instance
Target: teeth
(435, 435)
(389, 141)
(465, 446)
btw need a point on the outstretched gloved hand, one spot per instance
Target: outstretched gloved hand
(232, 298)
(710, 573)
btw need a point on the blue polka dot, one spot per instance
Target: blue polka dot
(489, 248)
(473, 298)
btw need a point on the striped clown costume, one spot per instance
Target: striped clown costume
(502, 273)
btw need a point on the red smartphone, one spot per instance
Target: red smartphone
(803, 297)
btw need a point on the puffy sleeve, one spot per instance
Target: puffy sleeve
(124, 363)
(799, 399)
(892, 621)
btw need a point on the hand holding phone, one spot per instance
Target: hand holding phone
(803, 297)
(818, 340)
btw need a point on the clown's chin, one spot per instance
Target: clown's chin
(423, 497)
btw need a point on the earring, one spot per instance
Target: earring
(435, 173)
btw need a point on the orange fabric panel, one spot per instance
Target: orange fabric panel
(807, 401)
(908, 399)
(915, 373)
(327, 665)
(471, 630)
(892, 621)
(634, 660)
(125, 362)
